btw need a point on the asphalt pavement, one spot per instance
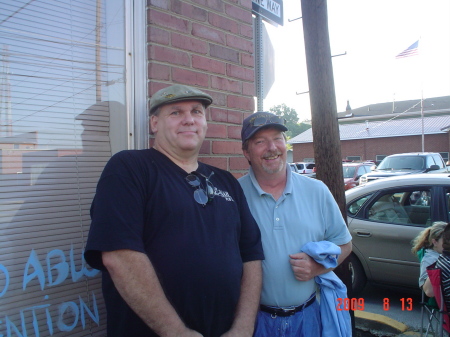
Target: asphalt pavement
(372, 324)
(401, 316)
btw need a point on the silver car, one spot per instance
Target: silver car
(293, 167)
(406, 163)
(305, 167)
(384, 216)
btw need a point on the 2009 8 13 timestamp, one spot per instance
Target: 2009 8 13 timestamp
(346, 304)
(406, 303)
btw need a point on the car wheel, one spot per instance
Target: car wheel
(359, 278)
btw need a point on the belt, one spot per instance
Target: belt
(285, 312)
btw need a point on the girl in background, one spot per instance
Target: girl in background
(428, 246)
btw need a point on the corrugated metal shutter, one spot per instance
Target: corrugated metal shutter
(61, 60)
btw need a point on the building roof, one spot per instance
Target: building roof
(396, 126)
(429, 104)
(23, 138)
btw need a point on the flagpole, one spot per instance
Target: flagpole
(411, 51)
(393, 103)
(423, 126)
(421, 94)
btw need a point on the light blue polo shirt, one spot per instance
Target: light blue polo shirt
(306, 211)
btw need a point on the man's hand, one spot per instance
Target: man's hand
(304, 267)
(180, 331)
(247, 308)
(136, 280)
(191, 333)
(237, 333)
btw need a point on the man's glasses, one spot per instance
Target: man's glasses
(202, 196)
(263, 120)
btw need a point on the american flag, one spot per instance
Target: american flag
(410, 51)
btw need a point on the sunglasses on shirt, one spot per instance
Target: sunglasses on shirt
(201, 195)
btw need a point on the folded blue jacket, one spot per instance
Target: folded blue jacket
(335, 323)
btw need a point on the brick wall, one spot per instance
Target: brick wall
(302, 151)
(368, 149)
(207, 44)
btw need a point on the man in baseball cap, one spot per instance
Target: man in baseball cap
(179, 249)
(259, 120)
(291, 211)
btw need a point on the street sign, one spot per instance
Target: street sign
(268, 62)
(269, 10)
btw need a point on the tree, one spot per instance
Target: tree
(290, 115)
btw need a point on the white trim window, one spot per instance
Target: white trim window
(380, 157)
(64, 110)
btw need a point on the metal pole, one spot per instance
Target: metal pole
(423, 126)
(259, 64)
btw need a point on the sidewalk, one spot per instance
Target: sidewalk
(380, 325)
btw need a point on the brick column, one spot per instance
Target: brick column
(207, 44)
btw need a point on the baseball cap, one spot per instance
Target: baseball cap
(259, 120)
(178, 93)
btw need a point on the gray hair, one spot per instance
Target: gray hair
(156, 111)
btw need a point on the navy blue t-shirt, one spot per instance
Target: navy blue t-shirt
(144, 203)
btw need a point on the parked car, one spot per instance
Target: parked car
(305, 167)
(384, 216)
(312, 174)
(352, 173)
(293, 167)
(406, 163)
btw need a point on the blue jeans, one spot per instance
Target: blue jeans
(305, 323)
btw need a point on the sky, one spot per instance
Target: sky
(371, 33)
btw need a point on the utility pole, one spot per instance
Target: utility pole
(325, 127)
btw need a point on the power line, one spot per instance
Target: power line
(17, 11)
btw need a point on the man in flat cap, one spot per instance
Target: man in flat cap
(178, 247)
(294, 213)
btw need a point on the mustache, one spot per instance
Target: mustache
(272, 154)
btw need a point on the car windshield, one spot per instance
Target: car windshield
(402, 163)
(349, 171)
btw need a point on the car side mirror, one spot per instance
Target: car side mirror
(373, 167)
(433, 168)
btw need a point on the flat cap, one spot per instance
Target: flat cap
(178, 93)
